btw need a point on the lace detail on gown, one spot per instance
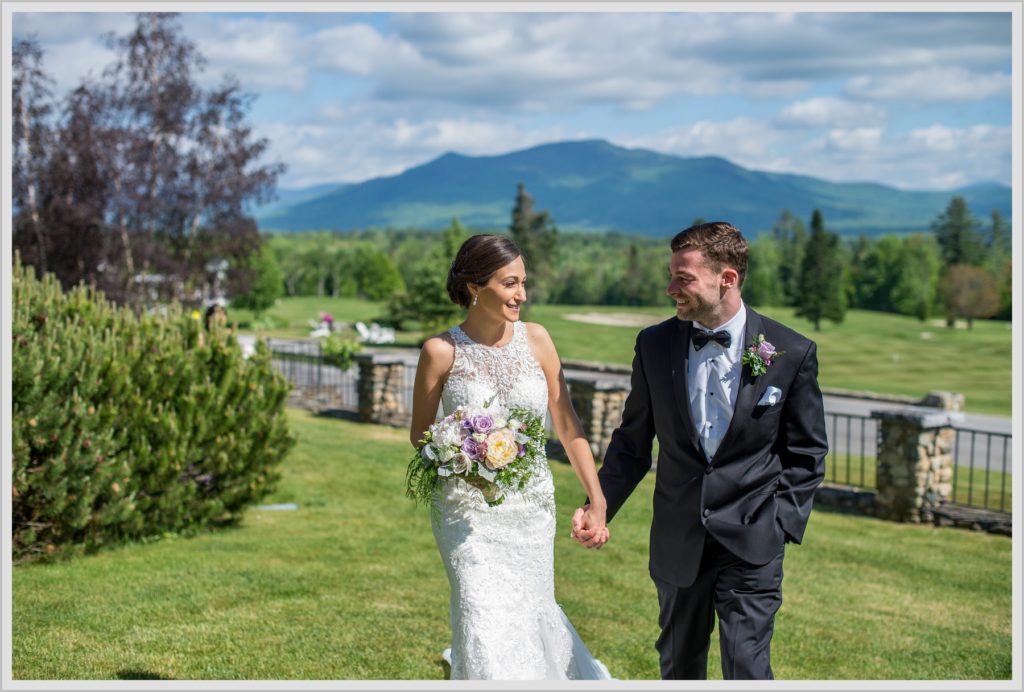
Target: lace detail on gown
(506, 624)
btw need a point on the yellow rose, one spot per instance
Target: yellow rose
(501, 449)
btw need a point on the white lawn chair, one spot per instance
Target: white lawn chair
(364, 333)
(381, 335)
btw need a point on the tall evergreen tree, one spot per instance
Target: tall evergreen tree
(791, 238)
(822, 294)
(958, 234)
(537, 236)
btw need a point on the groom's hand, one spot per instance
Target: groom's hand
(589, 528)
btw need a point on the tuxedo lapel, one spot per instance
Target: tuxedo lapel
(750, 387)
(680, 357)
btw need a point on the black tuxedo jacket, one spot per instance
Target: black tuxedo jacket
(758, 489)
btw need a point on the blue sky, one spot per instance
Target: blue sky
(914, 100)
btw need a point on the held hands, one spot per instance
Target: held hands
(589, 528)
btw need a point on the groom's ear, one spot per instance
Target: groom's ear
(730, 278)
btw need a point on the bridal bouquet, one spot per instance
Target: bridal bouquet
(489, 447)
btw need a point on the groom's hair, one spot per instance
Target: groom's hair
(722, 244)
(476, 262)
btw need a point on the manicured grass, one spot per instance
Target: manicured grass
(350, 586)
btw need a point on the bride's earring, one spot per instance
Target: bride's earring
(476, 298)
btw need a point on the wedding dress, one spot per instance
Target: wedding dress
(505, 622)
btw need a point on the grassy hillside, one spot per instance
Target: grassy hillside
(350, 586)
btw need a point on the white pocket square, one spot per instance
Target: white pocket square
(771, 396)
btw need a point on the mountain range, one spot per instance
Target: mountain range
(592, 185)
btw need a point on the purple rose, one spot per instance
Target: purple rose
(471, 449)
(766, 352)
(482, 423)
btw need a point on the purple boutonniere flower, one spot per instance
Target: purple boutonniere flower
(759, 355)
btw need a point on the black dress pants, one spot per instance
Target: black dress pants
(745, 597)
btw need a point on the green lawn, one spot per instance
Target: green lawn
(350, 586)
(868, 351)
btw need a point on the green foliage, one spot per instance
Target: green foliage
(957, 231)
(915, 292)
(822, 287)
(339, 352)
(375, 274)
(266, 285)
(537, 237)
(126, 427)
(764, 284)
(791, 241)
(426, 301)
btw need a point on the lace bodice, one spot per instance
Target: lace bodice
(480, 372)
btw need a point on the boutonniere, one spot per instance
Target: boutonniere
(759, 355)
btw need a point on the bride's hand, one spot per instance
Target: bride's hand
(589, 526)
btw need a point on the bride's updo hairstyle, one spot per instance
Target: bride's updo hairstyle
(476, 262)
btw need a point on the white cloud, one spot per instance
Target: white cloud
(933, 85)
(932, 157)
(742, 140)
(260, 53)
(352, 144)
(826, 111)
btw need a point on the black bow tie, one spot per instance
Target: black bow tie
(701, 338)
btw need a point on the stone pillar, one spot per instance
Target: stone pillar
(598, 402)
(915, 463)
(380, 389)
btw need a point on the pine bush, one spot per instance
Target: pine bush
(126, 427)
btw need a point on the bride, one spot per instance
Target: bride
(505, 622)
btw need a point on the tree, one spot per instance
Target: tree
(791, 237)
(1000, 250)
(265, 285)
(958, 235)
(426, 298)
(157, 164)
(536, 235)
(763, 285)
(969, 293)
(916, 287)
(32, 138)
(822, 294)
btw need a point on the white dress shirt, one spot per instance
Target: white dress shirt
(713, 377)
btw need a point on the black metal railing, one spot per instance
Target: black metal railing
(982, 472)
(852, 449)
(313, 376)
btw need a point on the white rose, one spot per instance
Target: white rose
(461, 463)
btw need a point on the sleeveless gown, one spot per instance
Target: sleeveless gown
(505, 622)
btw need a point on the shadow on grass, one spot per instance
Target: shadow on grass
(140, 675)
(352, 416)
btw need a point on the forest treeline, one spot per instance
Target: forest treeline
(961, 269)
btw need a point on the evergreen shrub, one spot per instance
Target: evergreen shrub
(127, 427)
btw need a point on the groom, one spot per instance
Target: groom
(742, 449)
